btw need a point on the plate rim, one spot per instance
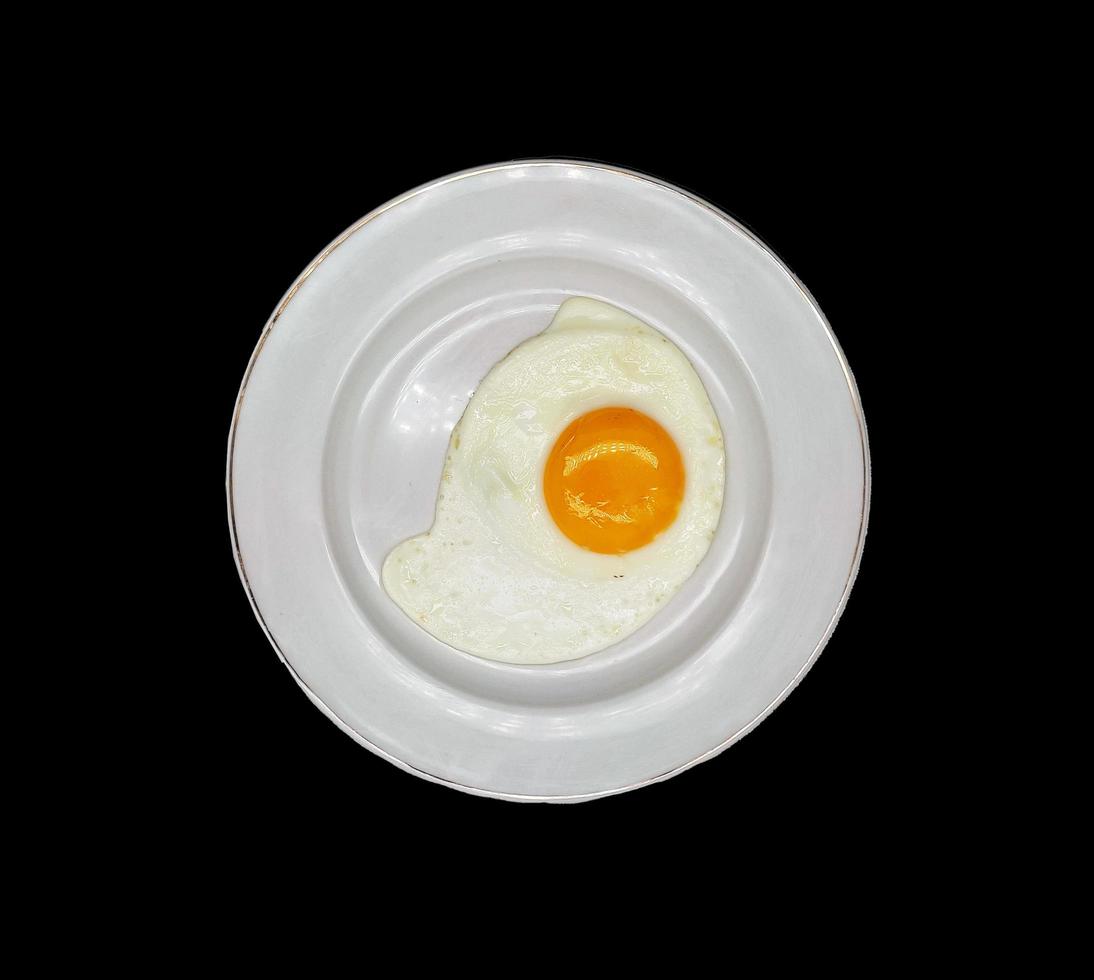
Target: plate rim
(735, 224)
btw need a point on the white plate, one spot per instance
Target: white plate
(341, 428)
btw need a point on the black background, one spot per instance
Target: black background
(258, 750)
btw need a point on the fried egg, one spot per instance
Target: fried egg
(581, 488)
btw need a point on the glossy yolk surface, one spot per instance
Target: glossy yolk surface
(614, 480)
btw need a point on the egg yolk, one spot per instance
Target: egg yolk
(614, 480)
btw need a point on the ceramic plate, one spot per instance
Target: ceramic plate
(340, 432)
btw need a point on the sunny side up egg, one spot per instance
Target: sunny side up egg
(582, 487)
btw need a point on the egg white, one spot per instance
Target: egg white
(495, 576)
